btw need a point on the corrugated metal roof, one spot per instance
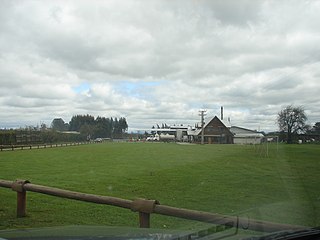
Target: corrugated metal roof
(244, 132)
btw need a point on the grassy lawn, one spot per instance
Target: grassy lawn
(228, 179)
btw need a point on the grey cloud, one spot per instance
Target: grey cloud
(23, 103)
(235, 12)
(244, 55)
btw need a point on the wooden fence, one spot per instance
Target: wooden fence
(142, 206)
(39, 146)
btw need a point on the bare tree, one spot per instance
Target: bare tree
(291, 120)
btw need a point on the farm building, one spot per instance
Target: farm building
(215, 131)
(246, 136)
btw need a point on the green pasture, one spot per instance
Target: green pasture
(273, 183)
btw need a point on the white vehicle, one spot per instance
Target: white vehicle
(150, 138)
(156, 137)
(167, 137)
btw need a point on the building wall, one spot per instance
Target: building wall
(247, 140)
(246, 136)
(218, 139)
(216, 132)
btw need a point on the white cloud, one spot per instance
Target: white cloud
(156, 61)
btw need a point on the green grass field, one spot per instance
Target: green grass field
(228, 179)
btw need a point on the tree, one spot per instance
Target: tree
(100, 127)
(291, 120)
(123, 125)
(316, 128)
(87, 130)
(79, 120)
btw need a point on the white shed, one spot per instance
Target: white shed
(246, 136)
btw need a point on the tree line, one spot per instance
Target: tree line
(99, 127)
(27, 135)
(80, 128)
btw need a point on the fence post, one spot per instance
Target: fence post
(21, 197)
(145, 208)
(144, 220)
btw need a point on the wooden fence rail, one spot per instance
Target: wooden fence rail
(143, 207)
(38, 146)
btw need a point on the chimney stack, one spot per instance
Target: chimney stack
(221, 113)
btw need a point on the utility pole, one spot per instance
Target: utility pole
(202, 113)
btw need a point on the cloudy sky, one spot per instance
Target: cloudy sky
(158, 61)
